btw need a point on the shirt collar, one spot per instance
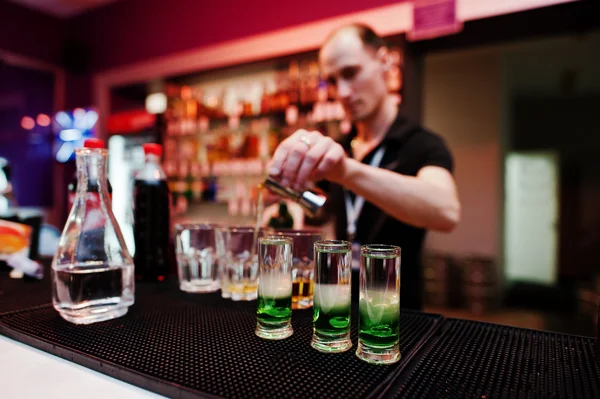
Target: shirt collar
(399, 130)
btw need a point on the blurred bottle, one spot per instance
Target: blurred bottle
(170, 168)
(92, 271)
(189, 185)
(191, 104)
(266, 101)
(177, 105)
(283, 220)
(294, 82)
(179, 182)
(89, 143)
(209, 186)
(151, 216)
(313, 81)
(196, 184)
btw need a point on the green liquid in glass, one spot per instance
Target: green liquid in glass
(379, 319)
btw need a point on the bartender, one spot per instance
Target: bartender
(389, 180)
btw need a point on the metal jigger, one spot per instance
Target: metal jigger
(311, 202)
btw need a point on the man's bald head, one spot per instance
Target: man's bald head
(363, 32)
(354, 60)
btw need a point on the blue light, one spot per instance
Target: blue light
(70, 134)
(90, 118)
(64, 152)
(71, 129)
(64, 120)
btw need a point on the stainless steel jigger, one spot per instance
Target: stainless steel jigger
(311, 202)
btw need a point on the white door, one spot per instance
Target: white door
(531, 212)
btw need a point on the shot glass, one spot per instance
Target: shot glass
(303, 264)
(274, 312)
(242, 263)
(197, 263)
(332, 299)
(379, 304)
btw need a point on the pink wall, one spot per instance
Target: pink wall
(134, 30)
(30, 33)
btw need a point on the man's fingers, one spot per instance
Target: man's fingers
(282, 152)
(311, 160)
(328, 161)
(302, 142)
(293, 162)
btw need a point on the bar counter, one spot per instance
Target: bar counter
(183, 345)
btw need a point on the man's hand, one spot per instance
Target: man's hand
(307, 156)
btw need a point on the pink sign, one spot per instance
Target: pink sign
(433, 18)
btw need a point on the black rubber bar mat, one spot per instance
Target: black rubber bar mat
(17, 295)
(467, 359)
(183, 345)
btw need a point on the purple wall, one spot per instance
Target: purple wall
(28, 92)
(25, 92)
(31, 33)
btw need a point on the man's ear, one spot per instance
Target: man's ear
(383, 56)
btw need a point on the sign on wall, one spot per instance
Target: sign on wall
(434, 18)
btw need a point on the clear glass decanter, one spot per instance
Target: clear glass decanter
(92, 271)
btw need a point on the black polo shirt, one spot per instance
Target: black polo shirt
(409, 148)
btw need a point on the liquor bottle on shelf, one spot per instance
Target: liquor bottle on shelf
(170, 168)
(180, 181)
(304, 95)
(191, 105)
(282, 98)
(209, 186)
(172, 92)
(196, 182)
(265, 102)
(177, 106)
(294, 82)
(189, 181)
(313, 81)
(283, 220)
(251, 141)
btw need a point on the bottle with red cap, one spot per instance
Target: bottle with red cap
(89, 143)
(151, 218)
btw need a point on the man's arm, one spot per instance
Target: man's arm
(428, 200)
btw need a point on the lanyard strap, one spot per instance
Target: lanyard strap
(353, 209)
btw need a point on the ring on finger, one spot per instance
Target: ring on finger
(306, 141)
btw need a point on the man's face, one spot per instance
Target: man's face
(357, 72)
